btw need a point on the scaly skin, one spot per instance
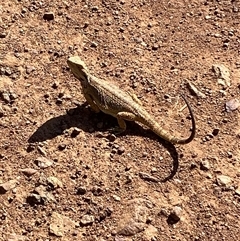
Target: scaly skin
(108, 98)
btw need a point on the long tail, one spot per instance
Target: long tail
(157, 129)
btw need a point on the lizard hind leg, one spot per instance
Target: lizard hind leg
(121, 117)
(128, 116)
(121, 126)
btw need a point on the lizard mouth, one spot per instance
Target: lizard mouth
(77, 66)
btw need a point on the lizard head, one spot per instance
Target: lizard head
(78, 68)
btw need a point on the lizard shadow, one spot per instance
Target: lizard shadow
(79, 117)
(83, 118)
(137, 130)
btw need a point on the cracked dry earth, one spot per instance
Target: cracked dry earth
(64, 176)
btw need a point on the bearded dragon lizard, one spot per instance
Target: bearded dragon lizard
(108, 98)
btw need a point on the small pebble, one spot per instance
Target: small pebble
(111, 137)
(225, 45)
(60, 95)
(121, 150)
(59, 101)
(81, 190)
(193, 165)
(54, 182)
(215, 132)
(129, 179)
(48, 16)
(116, 198)
(34, 198)
(229, 154)
(154, 170)
(5, 96)
(223, 180)
(13, 96)
(210, 135)
(155, 47)
(55, 85)
(30, 69)
(204, 165)
(94, 45)
(95, 8)
(209, 176)
(232, 105)
(75, 132)
(87, 219)
(147, 177)
(176, 214)
(8, 71)
(3, 34)
(225, 120)
(43, 162)
(7, 186)
(164, 212)
(28, 171)
(61, 147)
(207, 138)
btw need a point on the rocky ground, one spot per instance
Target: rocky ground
(64, 176)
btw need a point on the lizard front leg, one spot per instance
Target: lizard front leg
(134, 97)
(93, 106)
